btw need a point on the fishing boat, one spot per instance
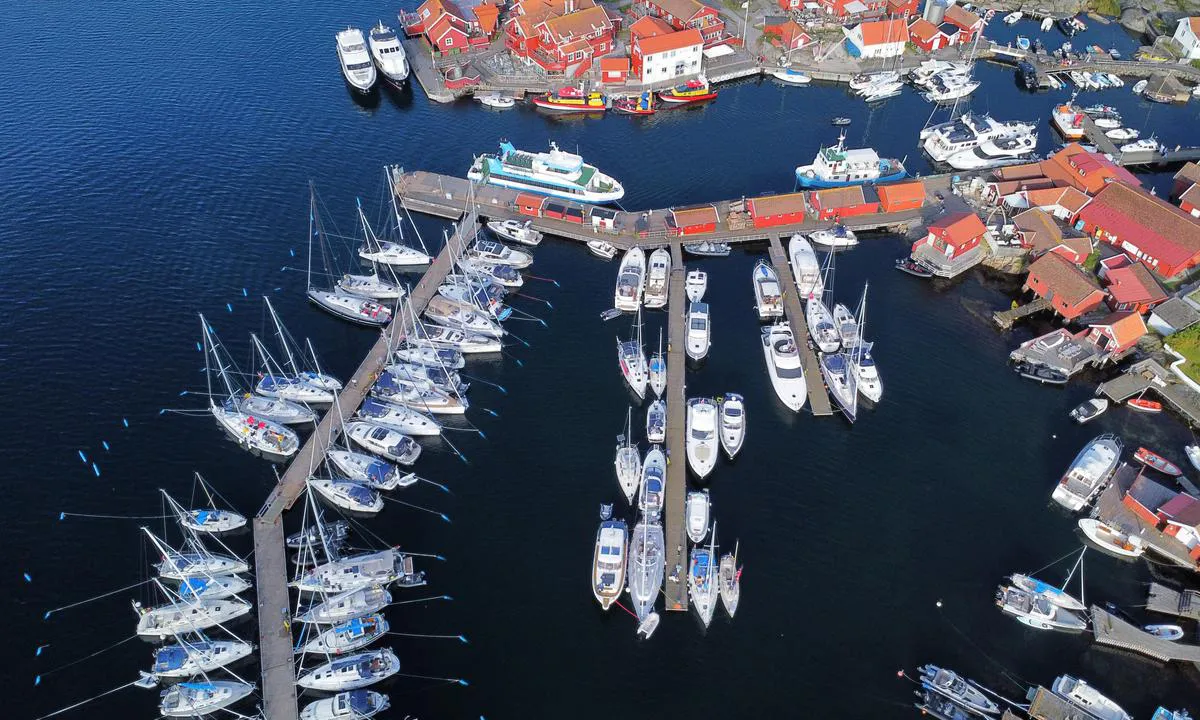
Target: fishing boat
(840, 121)
(388, 54)
(729, 578)
(602, 249)
(354, 572)
(1054, 595)
(1144, 406)
(1041, 373)
(708, 248)
(1087, 698)
(784, 366)
(345, 637)
(821, 326)
(444, 338)
(630, 280)
(1034, 610)
(658, 369)
(912, 267)
(702, 420)
(691, 91)
(733, 423)
(1151, 459)
(791, 76)
(516, 231)
(695, 284)
(697, 510)
(656, 422)
(631, 358)
(1165, 632)
(496, 101)
(698, 331)
(837, 237)
(1068, 120)
(1088, 472)
(189, 658)
(352, 53)
(647, 555)
(353, 672)
(195, 699)
(608, 562)
(635, 104)
(703, 587)
(842, 384)
(370, 286)
(571, 100)
(351, 705)
(348, 495)
(347, 606)
(557, 173)
(384, 441)
(837, 167)
(658, 279)
(805, 269)
(768, 297)
(653, 489)
(1089, 410)
(188, 616)
(628, 460)
(957, 688)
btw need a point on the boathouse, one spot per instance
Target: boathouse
(1172, 316)
(1040, 234)
(1070, 291)
(772, 210)
(614, 70)
(785, 33)
(1116, 333)
(927, 36)
(1181, 520)
(1187, 176)
(529, 204)
(603, 218)
(966, 22)
(877, 39)
(902, 8)
(842, 202)
(951, 245)
(694, 220)
(894, 197)
(1144, 498)
(1131, 285)
(1144, 227)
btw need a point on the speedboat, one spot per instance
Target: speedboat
(846, 324)
(806, 271)
(912, 267)
(211, 520)
(516, 231)
(496, 101)
(386, 252)
(355, 308)
(654, 483)
(354, 572)
(702, 583)
(384, 441)
(821, 327)
(784, 366)
(658, 279)
(1087, 698)
(608, 562)
(348, 636)
(695, 284)
(656, 422)
(635, 104)
(1143, 145)
(353, 672)
(355, 60)
(733, 424)
(1165, 632)
(1043, 374)
(836, 167)
(602, 249)
(1151, 459)
(351, 705)
(842, 384)
(445, 358)
(768, 297)
(188, 616)
(1034, 610)
(1110, 123)
(1055, 595)
(729, 577)
(1089, 410)
(189, 658)
(702, 436)
(557, 173)
(865, 371)
(698, 331)
(628, 461)
(1108, 538)
(790, 76)
(647, 556)
(957, 688)
(630, 277)
(399, 417)
(1012, 18)
(371, 286)
(194, 699)
(1088, 472)
(1144, 406)
(348, 495)
(697, 511)
(839, 236)
(347, 606)
(388, 54)
(692, 91)
(498, 253)
(1122, 134)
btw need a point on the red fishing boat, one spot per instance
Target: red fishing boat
(1146, 406)
(689, 92)
(1151, 459)
(571, 99)
(635, 105)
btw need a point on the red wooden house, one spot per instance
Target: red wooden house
(1131, 285)
(953, 234)
(927, 36)
(968, 23)
(684, 14)
(1040, 234)
(785, 33)
(693, 220)
(902, 8)
(1070, 291)
(894, 197)
(771, 210)
(1144, 227)
(838, 203)
(1117, 332)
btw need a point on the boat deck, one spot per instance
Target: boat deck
(676, 499)
(1169, 601)
(818, 397)
(1113, 631)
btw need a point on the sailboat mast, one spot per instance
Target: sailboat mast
(221, 369)
(207, 367)
(312, 211)
(282, 335)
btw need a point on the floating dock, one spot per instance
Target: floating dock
(1169, 601)
(1150, 375)
(676, 396)
(818, 397)
(1113, 631)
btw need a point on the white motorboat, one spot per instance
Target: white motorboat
(1122, 134)
(948, 88)
(353, 672)
(698, 331)
(196, 699)
(496, 101)
(821, 328)
(1193, 455)
(602, 249)
(957, 688)
(433, 357)
(658, 369)
(180, 618)
(1115, 541)
(1034, 610)
(350, 705)
(1171, 633)
(1006, 150)
(630, 280)
(1047, 23)
(1144, 145)
(965, 133)
(846, 325)
(697, 511)
(647, 555)
(733, 423)
(347, 606)
(356, 64)
(388, 54)
(1055, 595)
(1088, 472)
(790, 76)
(768, 297)
(866, 80)
(348, 495)
(784, 366)
(1011, 19)
(1107, 123)
(695, 284)
(189, 658)
(399, 417)
(658, 279)
(1091, 410)
(444, 338)
(702, 436)
(608, 562)
(516, 231)
(1088, 699)
(842, 384)
(836, 237)
(384, 441)
(656, 422)
(1139, 87)
(504, 275)
(451, 314)
(654, 487)
(628, 461)
(354, 572)
(211, 520)
(729, 578)
(703, 587)
(631, 358)
(371, 286)
(805, 269)
(497, 253)
(866, 373)
(353, 634)
(647, 627)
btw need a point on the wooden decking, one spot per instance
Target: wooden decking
(1005, 318)
(1149, 375)
(1112, 511)
(1183, 603)
(676, 498)
(818, 398)
(1113, 631)
(274, 612)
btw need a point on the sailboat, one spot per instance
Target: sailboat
(730, 579)
(347, 494)
(1043, 606)
(654, 483)
(353, 672)
(816, 313)
(862, 362)
(354, 572)
(656, 421)
(194, 699)
(336, 301)
(185, 616)
(348, 636)
(399, 417)
(349, 705)
(658, 369)
(843, 387)
(433, 357)
(647, 555)
(369, 470)
(608, 562)
(207, 519)
(195, 654)
(194, 561)
(702, 579)
(274, 382)
(631, 356)
(386, 252)
(347, 605)
(628, 461)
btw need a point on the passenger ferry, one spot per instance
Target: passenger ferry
(837, 167)
(571, 100)
(557, 173)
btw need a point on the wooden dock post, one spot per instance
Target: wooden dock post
(676, 497)
(818, 397)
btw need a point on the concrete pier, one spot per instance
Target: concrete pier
(676, 396)
(818, 397)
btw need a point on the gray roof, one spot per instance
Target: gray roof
(1177, 313)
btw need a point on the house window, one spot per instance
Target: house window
(449, 40)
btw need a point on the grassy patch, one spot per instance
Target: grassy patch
(1112, 8)
(1092, 261)
(1195, 64)
(1187, 344)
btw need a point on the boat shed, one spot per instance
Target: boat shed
(1145, 497)
(554, 209)
(772, 210)
(604, 218)
(529, 204)
(1070, 291)
(901, 196)
(835, 203)
(694, 220)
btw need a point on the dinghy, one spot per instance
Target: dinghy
(730, 582)
(1144, 406)
(353, 672)
(647, 626)
(369, 470)
(348, 636)
(1151, 459)
(647, 555)
(364, 570)
(695, 284)
(348, 495)
(351, 705)
(195, 699)
(658, 369)
(516, 231)
(656, 422)
(628, 461)
(733, 423)
(654, 479)
(180, 618)
(347, 606)
(189, 658)
(1089, 410)
(784, 366)
(698, 331)
(1193, 455)
(631, 358)
(958, 689)
(658, 279)
(384, 441)
(630, 278)
(398, 417)
(702, 436)
(1108, 538)
(768, 297)
(697, 511)
(608, 562)
(602, 249)
(1165, 632)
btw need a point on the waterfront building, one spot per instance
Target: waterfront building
(966, 23)
(1187, 34)
(902, 8)
(1189, 201)
(694, 220)
(840, 202)
(1172, 316)
(895, 197)
(685, 14)
(1040, 234)
(1117, 332)
(1144, 227)
(877, 38)
(658, 52)
(772, 210)
(614, 70)
(1070, 291)
(952, 244)
(927, 36)
(848, 9)
(560, 36)
(1063, 203)
(785, 33)
(1187, 176)
(449, 28)
(1131, 285)
(1086, 171)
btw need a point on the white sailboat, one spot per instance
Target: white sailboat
(362, 570)
(349, 705)
(647, 558)
(196, 655)
(432, 357)
(658, 369)
(353, 672)
(697, 511)
(658, 279)
(702, 579)
(195, 699)
(384, 441)
(206, 520)
(631, 357)
(182, 617)
(733, 423)
(699, 331)
(443, 338)
(399, 417)
(1044, 606)
(387, 252)
(768, 297)
(843, 386)
(347, 305)
(630, 277)
(730, 580)
(353, 634)
(608, 562)
(348, 495)
(347, 605)
(862, 362)
(821, 327)
(628, 460)
(784, 366)
(369, 470)
(654, 483)
(702, 436)
(656, 421)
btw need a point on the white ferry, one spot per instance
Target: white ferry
(557, 173)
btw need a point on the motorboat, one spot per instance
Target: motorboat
(1139, 87)
(635, 104)
(791, 76)
(784, 366)
(806, 271)
(388, 54)
(949, 88)
(398, 417)
(699, 331)
(352, 672)
(1142, 405)
(189, 658)
(346, 637)
(1115, 541)
(656, 422)
(1068, 120)
(444, 338)
(1165, 632)
(1043, 374)
(691, 91)
(496, 101)
(768, 296)
(188, 616)
(733, 423)
(938, 706)
(631, 358)
(708, 248)
(1087, 698)
(497, 253)
(1034, 610)
(842, 384)
(355, 308)
(837, 166)
(451, 314)
(912, 267)
(571, 100)
(384, 441)
(348, 495)
(1055, 595)
(865, 371)
(630, 279)
(628, 461)
(212, 588)
(1109, 123)
(1153, 460)
(354, 572)
(658, 369)
(351, 705)
(516, 231)
(658, 279)
(505, 276)
(433, 357)
(1013, 17)
(1007, 150)
(837, 237)
(957, 688)
(881, 91)
(702, 420)
(697, 512)
(1122, 134)
(1047, 23)
(839, 121)
(557, 173)
(212, 520)
(347, 606)
(195, 699)
(863, 81)
(1143, 145)
(1088, 472)
(647, 627)
(393, 254)
(846, 324)
(695, 284)
(967, 132)
(370, 286)
(1089, 410)
(703, 587)
(821, 327)
(356, 64)
(654, 483)
(608, 562)
(602, 249)
(647, 558)
(729, 579)
(1193, 455)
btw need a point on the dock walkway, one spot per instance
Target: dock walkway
(1113, 631)
(1150, 375)
(1169, 601)
(1006, 318)
(676, 396)
(818, 398)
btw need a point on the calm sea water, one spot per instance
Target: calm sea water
(153, 164)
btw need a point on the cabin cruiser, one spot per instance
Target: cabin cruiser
(784, 366)
(388, 54)
(658, 279)
(647, 556)
(602, 249)
(1143, 145)
(966, 133)
(820, 325)
(1113, 540)
(384, 441)
(846, 324)
(353, 672)
(521, 232)
(194, 699)
(356, 61)
(768, 297)
(1007, 150)
(1088, 472)
(608, 562)
(656, 422)
(1036, 611)
(805, 269)
(654, 483)
(497, 253)
(697, 511)
(189, 658)
(948, 88)
(630, 276)
(189, 616)
(698, 331)
(957, 688)
(1122, 134)
(350, 705)
(353, 634)
(348, 605)
(443, 338)
(695, 285)
(348, 495)
(558, 173)
(355, 572)
(837, 167)
(866, 373)
(702, 436)
(837, 237)
(1087, 698)
(733, 423)
(1090, 410)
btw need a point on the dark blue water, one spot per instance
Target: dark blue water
(154, 164)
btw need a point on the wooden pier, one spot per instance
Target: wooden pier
(818, 398)
(1149, 375)
(1113, 631)
(270, 555)
(1045, 705)
(1183, 603)
(1005, 318)
(676, 496)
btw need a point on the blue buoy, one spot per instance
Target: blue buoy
(228, 307)
(162, 411)
(42, 647)
(198, 348)
(106, 447)
(463, 640)
(182, 393)
(462, 682)
(28, 579)
(37, 681)
(83, 457)
(244, 293)
(47, 615)
(125, 421)
(445, 518)
(62, 516)
(95, 469)
(292, 251)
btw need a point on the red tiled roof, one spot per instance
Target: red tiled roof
(1194, 22)
(1024, 171)
(578, 24)
(879, 32)
(1084, 170)
(957, 228)
(670, 41)
(962, 18)
(488, 15)
(1068, 198)
(1124, 327)
(1134, 283)
(923, 30)
(649, 26)
(768, 205)
(1042, 234)
(902, 192)
(1158, 228)
(1189, 172)
(682, 10)
(614, 64)
(1064, 279)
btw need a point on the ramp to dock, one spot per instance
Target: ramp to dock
(1115, 632)
(1169, 601)
(676, 498)
(818, 398)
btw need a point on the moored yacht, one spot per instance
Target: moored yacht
(647, 555)
(733, 423)
(1068, 120)
(384, 441)
(628, 460)
(353, 672)
(348, 495)
(1006, 150)
(1054, 595)
(608, 562)
(631, 358)
(630, 276)
(768, 297)
(347, 605)
(702, 436)
(515, 230)
(355, 60)
(364, 570)
(656, 422)
(1036, 611)
(189, 658)
(842, 384)
(658, 279)
(703, 587)
(837, 237)
(1087, 698)
(866, 373)
(654, 483)
(1088, 472)
(348, 636)
(967, 132)
(1113, 540)
(195, 699)
(558, 173)
(355, 308)
(957, 688)
(695, 285)
(370, 286)
(784, 366)
(846, 324)
(190, 616)
(729, 577)
(821, 327)
(699, 331)
(948, 88)
(806, 270)
(350, 705)
(696, 512)
(836, 166)
(388, 54)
